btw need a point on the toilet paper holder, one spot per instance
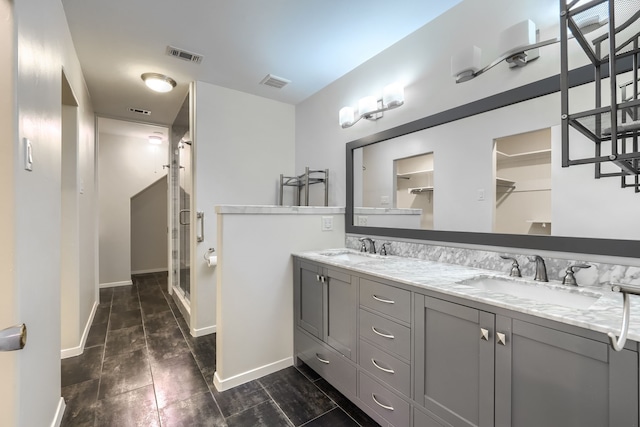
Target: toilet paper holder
(209, 252)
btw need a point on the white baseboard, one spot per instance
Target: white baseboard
(57, 420)
(254, 374)
(199, 332)
(115, 284)
(77, 351)
(152, 270)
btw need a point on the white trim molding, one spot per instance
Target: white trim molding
(57, 419)
(77, 351)
(116, 284)
(254, 374)
(199, 332)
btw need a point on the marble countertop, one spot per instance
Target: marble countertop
(604, 315)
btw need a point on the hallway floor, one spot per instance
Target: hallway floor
(141, 367)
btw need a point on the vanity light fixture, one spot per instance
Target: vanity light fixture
(158, 82)
(519, 44)
(371, 108)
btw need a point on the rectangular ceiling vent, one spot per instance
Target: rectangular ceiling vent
(139, 111)
(184, 55)
(274, 81)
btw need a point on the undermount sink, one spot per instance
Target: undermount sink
(351, 257)
(569, 297)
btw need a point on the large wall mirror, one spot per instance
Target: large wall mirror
(489, 173)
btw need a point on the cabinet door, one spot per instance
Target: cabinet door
(309, 303)
(341, 312)
(455, 362)
(546, 377)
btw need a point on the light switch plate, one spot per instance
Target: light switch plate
(384, 200)
(362, 221)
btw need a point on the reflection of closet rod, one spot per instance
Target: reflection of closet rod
(302, 182)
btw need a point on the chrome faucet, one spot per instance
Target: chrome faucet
(541, 268)
(372, 245)
(569, 278)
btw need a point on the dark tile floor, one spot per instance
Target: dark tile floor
(141, 367)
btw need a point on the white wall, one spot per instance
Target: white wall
(255, 291)
(462, 149)
(242, 144)
(9, 310)
(149, 229)
(45, 47)
(128, 165)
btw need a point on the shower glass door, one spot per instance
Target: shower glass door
(184, 216)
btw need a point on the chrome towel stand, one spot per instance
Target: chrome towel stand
(618, 342)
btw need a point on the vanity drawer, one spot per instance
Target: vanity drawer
(386, 334)
(328, 363)
(385, 367)
(394, 302)
(384, 402)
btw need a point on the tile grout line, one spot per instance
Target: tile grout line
(146, 346)
(291, 423)
(328, 397)
(193, 355)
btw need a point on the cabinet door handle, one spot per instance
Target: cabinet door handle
(317, 277)
(386, 301)
(373, 328)
(326, 362)
(484, 334)
(502, 338)
(389, 408)
(389, 371)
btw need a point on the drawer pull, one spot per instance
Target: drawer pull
(386, 301)
(373, 328)
(389, 371)
(502, 338)
(326, 362)
(388, 408)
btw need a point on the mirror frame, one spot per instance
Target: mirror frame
(581, 245)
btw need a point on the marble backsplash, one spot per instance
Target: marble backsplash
(599, 274)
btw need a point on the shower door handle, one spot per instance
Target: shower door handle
(200, 217)
(13, 338)
(182, 211)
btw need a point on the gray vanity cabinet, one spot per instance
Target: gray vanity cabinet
(548, 377)
(309, 299)
(326, 306)
(477, 368)
(454, 367)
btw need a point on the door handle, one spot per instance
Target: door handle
(182, 211)
(13, 338)
(200, 217)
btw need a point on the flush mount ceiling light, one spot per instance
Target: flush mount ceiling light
(155, 139)
(371, 108)
(158, 82)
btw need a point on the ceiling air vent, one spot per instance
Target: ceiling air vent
(274, 81)
(140, 111)
(184, 55)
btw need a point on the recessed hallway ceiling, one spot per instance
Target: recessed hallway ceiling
(310, 42)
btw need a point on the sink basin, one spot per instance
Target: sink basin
(351, 257)
(569, 298)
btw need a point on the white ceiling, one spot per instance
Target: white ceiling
(310, 42)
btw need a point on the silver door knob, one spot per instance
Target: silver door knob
(13, 338)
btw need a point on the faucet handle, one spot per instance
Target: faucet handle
(515, 268)
(569, 278)
(383, 249)
(363, 246)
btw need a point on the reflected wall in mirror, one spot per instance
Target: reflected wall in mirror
(523, 183)
(571, 202)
